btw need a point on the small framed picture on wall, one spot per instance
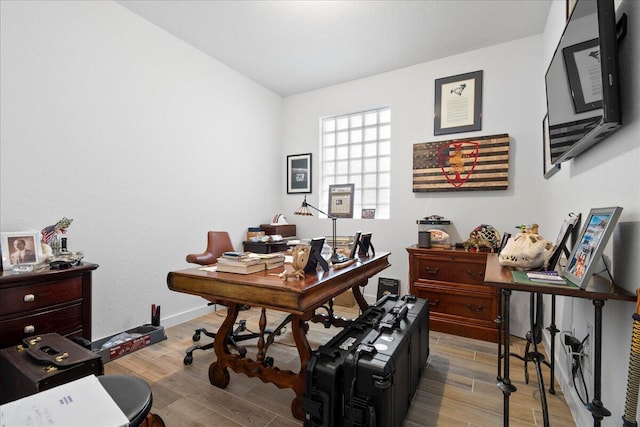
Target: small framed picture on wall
(299, 173)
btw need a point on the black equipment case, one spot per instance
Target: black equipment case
(43, 362)
(368, 373)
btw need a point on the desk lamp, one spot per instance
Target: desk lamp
(303, 210)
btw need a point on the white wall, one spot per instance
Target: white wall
(146, 142)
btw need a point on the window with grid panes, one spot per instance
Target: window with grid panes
(356, 149)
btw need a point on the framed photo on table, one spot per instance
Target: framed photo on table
(341, 200)
(21, 247)
(299, 173)
(584, 258)
(458, 104)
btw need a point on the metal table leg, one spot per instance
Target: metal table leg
(505, 383)
(598, 411)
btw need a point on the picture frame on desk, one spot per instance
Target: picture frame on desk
(593, 239)
(341, 200)
(26, 241)
(299, 173)
(563, 240)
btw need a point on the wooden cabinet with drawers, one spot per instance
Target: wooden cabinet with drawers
(453, 282)
(45, 301)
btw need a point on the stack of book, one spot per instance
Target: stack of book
(239, 262)
(271, 261)
(249, 262)
(545, 277)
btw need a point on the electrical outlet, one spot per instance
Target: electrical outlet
(588, 350)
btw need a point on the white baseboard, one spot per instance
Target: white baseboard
(185, 316)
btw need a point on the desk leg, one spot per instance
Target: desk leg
(598, 411)
(535, 355)
(357, 294)
(219, 370)
(553, 330)
(505, 382)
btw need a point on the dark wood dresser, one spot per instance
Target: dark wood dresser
(45, 301)
(453, 282)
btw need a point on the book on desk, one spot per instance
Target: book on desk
(247, 263)
(539, 277)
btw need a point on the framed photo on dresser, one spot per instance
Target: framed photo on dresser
(20, 247)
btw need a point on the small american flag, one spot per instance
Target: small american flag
(47, 233)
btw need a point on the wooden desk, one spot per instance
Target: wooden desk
(598, 290)
(299, 298)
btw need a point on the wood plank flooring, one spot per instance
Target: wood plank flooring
(457, 387)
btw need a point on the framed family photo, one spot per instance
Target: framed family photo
(584, 258)
(299, 173)
(21, 247)
(458, 104)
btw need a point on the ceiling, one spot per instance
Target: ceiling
(292, 47)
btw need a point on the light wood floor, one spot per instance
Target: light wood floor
(458, 387)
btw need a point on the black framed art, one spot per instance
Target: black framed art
(458, 104)
(299, 173)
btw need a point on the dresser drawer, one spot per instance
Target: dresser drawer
(62, 320)
(450, 270)
(469, 306)
(21, 299)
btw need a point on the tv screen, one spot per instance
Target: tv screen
(582, 81)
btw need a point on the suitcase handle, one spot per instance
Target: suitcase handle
(48, 349)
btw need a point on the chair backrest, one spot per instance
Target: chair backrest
(217, 243)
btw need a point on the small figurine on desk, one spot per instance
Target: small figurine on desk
(300, 258)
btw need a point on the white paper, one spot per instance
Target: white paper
(80, 403)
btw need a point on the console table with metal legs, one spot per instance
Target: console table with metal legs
(598, 290)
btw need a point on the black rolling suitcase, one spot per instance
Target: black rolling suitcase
(381, 375)
(367, 374)
(415, 324)
(322, 400)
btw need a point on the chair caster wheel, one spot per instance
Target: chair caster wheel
(196, 337)
(242, 351)
(268, 361)
(188, 360)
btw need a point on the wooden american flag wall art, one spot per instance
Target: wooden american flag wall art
(465, 164)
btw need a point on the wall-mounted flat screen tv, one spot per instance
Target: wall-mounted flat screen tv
(582, 81)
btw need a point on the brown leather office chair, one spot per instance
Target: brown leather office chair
(218, 242)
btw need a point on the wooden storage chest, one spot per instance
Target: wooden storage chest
(45, 301)
(453, 282)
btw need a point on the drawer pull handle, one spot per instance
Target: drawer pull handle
(434, 303)
(430, 271)
(29, 329)
(475, 309)
(29, 298)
